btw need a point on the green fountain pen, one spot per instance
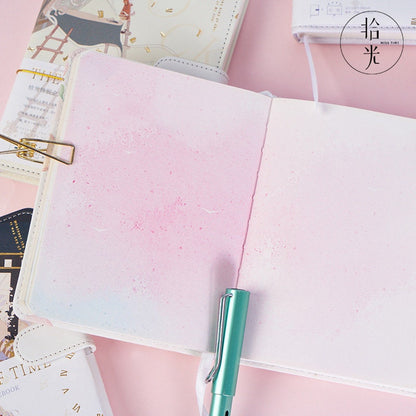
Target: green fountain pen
(230, 335)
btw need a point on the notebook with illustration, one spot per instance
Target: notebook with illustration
(14, 229)
(181, 187)
(142, 30)
(177, 33)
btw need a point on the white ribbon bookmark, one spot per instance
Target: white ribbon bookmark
(207, 358)
(311, 69)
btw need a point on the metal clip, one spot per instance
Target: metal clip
(219, 343)
(26, 148)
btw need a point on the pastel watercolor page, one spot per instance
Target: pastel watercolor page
(146, 228)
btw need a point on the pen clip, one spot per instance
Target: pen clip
(219, 343)
(25, 149)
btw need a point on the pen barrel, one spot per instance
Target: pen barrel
(221, 405)
(235, 314)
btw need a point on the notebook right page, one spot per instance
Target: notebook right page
(329, 257)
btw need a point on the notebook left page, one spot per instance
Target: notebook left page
(143, 232)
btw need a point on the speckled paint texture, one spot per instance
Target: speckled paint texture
(146, 228)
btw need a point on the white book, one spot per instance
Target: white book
(323, 21)
(71, 384)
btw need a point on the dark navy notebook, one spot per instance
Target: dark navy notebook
(14, 228)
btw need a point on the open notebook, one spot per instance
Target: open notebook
(182, 187)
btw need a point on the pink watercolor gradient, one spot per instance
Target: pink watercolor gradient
(156, 202)
(142, 380)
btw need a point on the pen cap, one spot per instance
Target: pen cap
(235, 314)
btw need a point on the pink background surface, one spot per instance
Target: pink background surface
(146, 381)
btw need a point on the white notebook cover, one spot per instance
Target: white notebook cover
(71, 384)
(323, 21)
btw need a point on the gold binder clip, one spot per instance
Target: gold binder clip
(26, 149)
(26, 153)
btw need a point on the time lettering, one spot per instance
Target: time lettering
(22, 370)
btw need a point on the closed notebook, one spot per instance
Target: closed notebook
(166, 33)
(335, 21)
(182, 187)
(69, 385)
(143, 31)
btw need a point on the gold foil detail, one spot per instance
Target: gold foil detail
(100, 13)
(147, 49)
(133, 40)
(199, 33)
(163, 34)
(170, 10)
(237, 16)
(41, 74)
(413, 21)
(153, 4)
